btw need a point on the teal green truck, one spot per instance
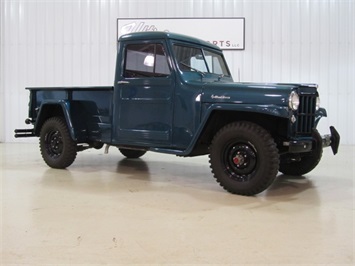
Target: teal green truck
(175, 94)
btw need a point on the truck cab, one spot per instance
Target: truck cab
(175, 94)
(159, 88)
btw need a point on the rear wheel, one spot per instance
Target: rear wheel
(57, 147)
(132, 154)
(244, 158)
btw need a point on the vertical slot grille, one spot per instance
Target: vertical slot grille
(306, 114)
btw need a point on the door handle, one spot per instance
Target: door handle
(122, 82)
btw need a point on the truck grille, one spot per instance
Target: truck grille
(306, 114)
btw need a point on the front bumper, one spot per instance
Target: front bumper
(332, 140)
(300, 146)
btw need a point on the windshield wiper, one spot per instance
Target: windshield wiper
(220, 76)
(194, 69)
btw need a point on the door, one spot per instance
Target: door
(145, 96)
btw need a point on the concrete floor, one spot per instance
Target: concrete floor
(162, 209)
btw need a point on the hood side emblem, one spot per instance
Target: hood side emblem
(220, 97)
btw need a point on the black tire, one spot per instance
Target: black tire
(306, 162)
(244, 158)
(132, 154)
(57, 147)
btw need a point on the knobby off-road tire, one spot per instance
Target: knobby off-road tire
(244, 158)
(132, 154)
(57, 147)
(307, 162)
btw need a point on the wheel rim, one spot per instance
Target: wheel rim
(54, 143)
(240, 161)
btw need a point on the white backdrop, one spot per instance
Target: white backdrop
(197, 27)
(73, 43)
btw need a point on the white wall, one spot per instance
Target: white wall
(72, 43)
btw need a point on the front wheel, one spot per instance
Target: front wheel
(244, 158)
(57, 147)
(306, 161)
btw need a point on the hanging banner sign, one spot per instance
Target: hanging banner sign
(227, 33)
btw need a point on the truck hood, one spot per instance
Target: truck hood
(251, 93)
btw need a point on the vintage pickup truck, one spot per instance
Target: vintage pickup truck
(175, 94)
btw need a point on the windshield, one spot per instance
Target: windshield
(200, 60)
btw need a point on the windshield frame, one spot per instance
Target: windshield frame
(184, 66)
(221, 60)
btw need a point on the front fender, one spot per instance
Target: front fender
(54, 108)
(207, 109)
(321, 112)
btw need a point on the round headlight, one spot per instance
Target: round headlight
(294, 101)
(317, 103)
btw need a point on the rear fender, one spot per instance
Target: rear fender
(54, 108)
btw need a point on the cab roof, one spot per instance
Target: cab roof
(150, 35)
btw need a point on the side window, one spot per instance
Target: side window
(146, 60)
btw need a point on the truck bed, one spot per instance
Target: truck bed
(88, 108)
